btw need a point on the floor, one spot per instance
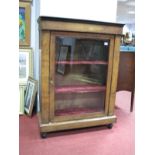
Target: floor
(89, 141)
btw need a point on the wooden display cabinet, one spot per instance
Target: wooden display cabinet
(78, 73)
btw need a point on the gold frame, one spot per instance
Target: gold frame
(27, 7)
(21, 104)
(28, 65)
(26, 0)
(30, 95)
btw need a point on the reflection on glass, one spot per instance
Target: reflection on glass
(79, 103)
(80, 75)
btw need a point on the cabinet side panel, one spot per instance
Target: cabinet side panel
(45, 40)
(114, 75)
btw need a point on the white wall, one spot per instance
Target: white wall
(101, 10)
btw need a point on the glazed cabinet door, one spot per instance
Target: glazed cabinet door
(80, 75)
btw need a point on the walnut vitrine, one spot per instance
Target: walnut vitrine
(78, 73)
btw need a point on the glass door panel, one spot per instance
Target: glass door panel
(80, 75)
(78, 103)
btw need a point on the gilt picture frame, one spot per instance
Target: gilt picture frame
(24, 23)
(21, 101)
(30, 95)
(25, 0)
(25, 65)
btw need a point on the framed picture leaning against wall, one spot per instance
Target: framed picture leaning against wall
(30, 95)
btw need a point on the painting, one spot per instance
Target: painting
(30, 95)
(25, 65)
(24, 24)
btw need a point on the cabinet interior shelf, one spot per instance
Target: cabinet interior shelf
(82, 62)
(79, 89)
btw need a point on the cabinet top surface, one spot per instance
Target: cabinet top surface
(78, 25)
(70, 20)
